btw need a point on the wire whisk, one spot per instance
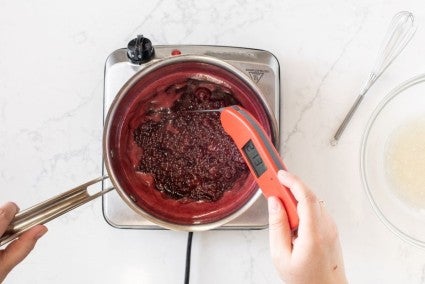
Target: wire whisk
(399, 33)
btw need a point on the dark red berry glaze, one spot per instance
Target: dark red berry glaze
(188, 153)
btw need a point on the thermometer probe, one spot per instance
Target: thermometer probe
(260, 155)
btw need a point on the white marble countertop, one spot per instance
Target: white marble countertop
(52, 55)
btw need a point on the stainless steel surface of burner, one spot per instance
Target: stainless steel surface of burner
(261, 66)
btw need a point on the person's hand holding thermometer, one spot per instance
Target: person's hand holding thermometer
(312, 254)
(260, 155)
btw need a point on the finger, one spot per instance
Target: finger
(7, 212)
(279, 230)
(17, 250)
(308, 207)
(297, 187)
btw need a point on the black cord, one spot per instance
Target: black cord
(188, 254)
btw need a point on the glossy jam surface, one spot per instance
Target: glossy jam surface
(188, 154)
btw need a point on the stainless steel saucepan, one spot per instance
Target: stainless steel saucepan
(117, 136)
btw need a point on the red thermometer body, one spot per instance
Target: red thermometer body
(260, 155)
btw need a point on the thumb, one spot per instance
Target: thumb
(279, 231)
(17, 250)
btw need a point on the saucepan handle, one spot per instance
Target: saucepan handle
(50, 209)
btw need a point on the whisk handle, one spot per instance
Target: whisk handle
(346, 120)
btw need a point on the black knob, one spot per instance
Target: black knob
(140, 50)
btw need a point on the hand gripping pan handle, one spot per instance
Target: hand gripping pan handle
(50, 209)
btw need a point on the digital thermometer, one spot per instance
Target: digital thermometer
(260, 155)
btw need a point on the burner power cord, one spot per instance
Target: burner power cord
(188, 255)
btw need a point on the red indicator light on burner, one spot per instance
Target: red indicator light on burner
(175, 52)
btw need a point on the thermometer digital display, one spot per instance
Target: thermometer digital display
(254, 158)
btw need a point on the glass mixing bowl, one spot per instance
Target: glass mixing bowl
(392, 156)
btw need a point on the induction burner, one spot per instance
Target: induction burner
(260, 65)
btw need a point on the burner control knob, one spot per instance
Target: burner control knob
(140, 50)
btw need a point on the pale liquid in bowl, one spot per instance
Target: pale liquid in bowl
(405, 163)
